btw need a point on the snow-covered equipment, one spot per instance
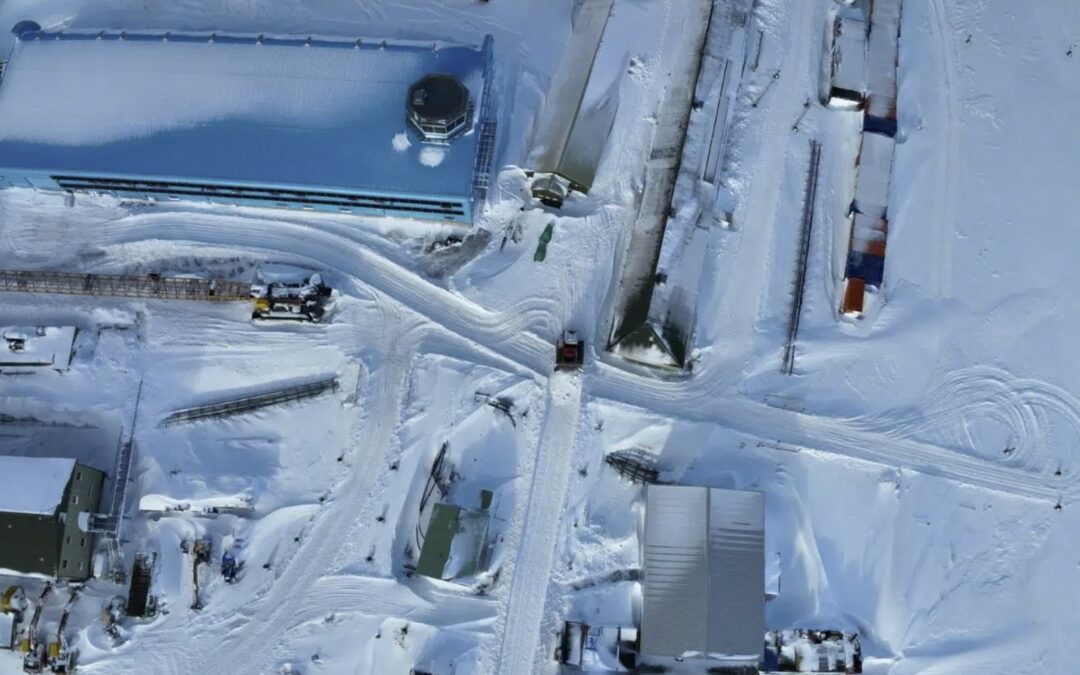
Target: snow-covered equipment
(304, 300)
(13, 601)
(139, 591)
(597, 648)
(32, 648)
(634, 464)
(201, 551)
(61, 655)
(569, 352)
(812, 651)
(111, 616)
(231, 565)
(9, 625)
(12, 606)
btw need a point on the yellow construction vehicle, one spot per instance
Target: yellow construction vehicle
(13, 600)
(302, 299)
(61, 657)
(33, 651)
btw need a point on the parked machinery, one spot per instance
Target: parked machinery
(306, 299)
(61, 655)
(232, 564)
(202, 550)
(30, 645)
(12, 608)
(569, 352)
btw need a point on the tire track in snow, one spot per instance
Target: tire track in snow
(836, 436)
(942, 252)
(1022, 403)
(322, 248)
(707, 395)
(531, 571)
(272, 615)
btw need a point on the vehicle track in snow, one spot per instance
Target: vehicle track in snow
(272, 614)
(323, 248)
(845, 437)
(1022, 404)
(941, 253)
(707, 395)
(240, 635)
(530, 570)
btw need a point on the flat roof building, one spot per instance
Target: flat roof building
(25, 349)
(704, 574)
(45, 509)
(291, 122)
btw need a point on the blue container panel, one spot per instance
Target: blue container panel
(879, 125)
(869, 268)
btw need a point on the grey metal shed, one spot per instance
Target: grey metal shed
(704, 573)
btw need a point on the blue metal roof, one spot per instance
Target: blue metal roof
(294, 112)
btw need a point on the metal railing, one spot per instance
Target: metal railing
(124, 286)
(243, 404)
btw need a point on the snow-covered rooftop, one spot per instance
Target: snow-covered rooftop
(243, 110)
(36, 346)
(704, 572)
(33, 485)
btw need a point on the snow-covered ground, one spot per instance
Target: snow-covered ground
(911, 465)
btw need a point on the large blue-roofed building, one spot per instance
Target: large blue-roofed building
(332, 125)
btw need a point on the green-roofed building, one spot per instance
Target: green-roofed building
(455, 542)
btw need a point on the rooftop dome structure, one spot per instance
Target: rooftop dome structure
(438, 107)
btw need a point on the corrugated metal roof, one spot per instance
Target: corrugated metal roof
(704, 572)
(289, 112)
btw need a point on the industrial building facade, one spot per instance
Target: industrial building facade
(704, 574)
(45, 509)
(315, 124)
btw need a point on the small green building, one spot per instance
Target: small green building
(45, 509)
(455, 542)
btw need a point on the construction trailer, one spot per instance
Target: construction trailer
(46, 504)
(703, 576)
(229, 119)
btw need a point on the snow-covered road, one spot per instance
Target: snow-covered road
(531, 567)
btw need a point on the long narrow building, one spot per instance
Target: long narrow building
(357, 126)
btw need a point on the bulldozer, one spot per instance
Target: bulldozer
(307, 299)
